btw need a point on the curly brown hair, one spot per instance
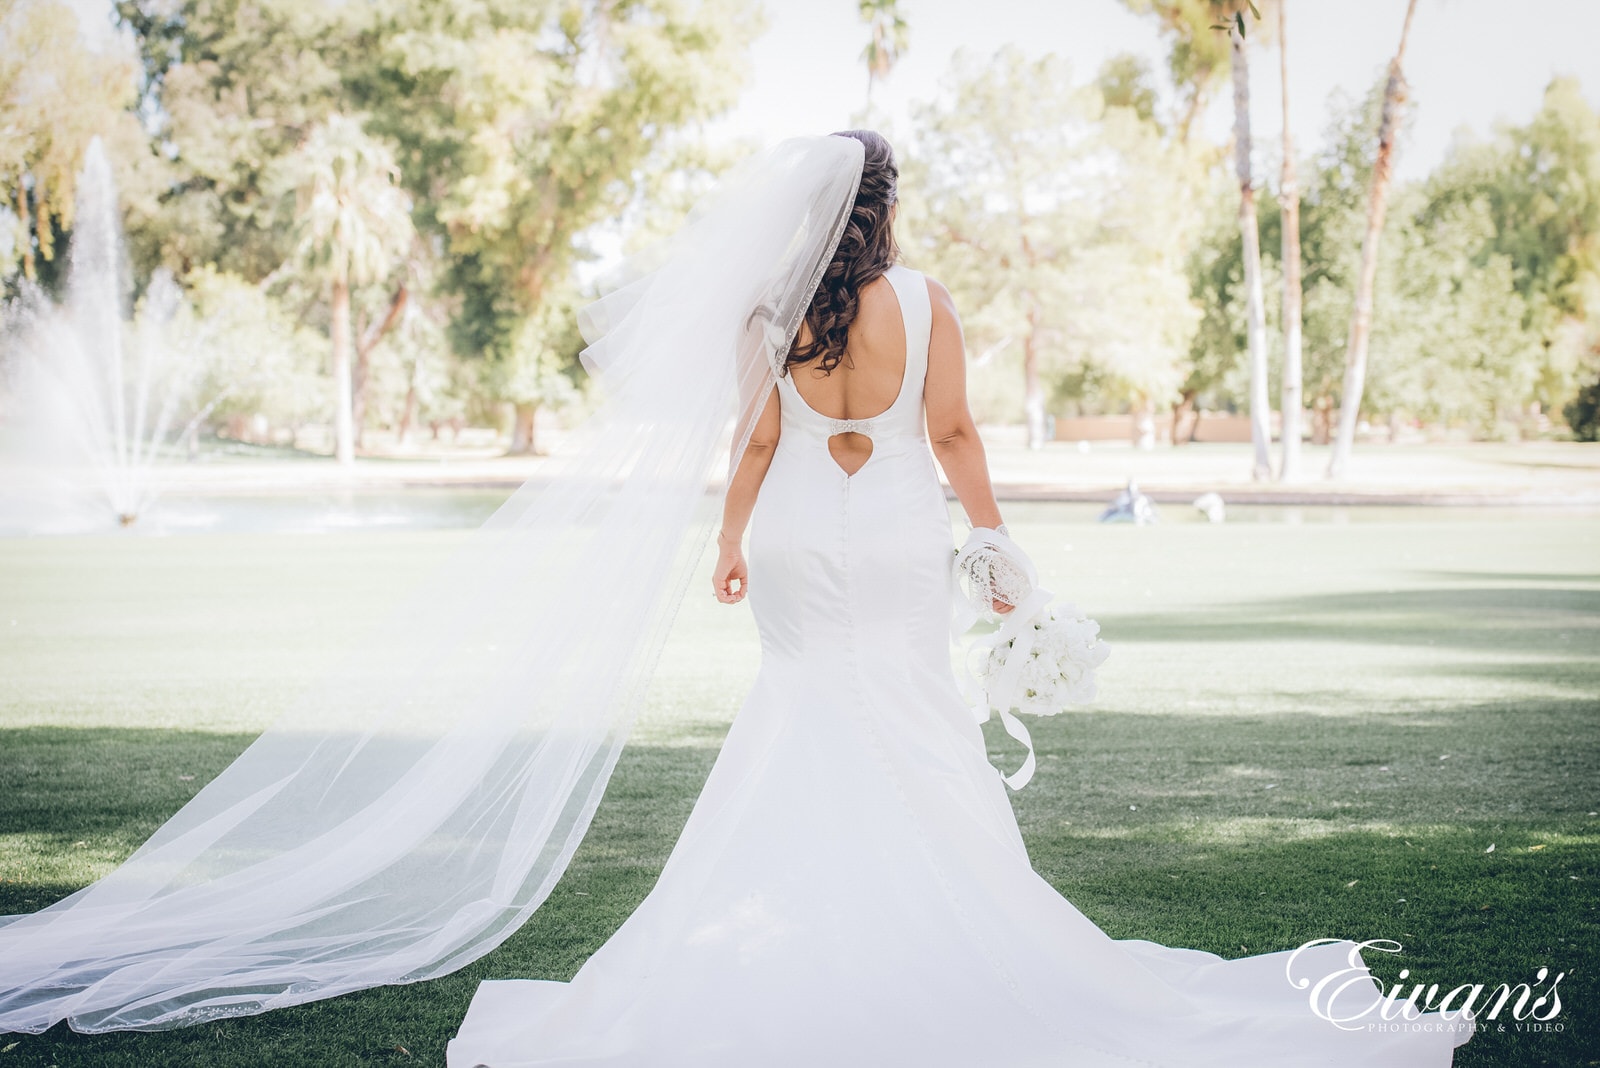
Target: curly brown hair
(866, 251)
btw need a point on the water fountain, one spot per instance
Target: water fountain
(89, 400)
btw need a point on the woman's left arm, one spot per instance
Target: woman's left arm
(741, 501)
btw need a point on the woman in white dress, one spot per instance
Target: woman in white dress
(851, 887)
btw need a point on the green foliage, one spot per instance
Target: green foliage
(1468, 328)
(891, 36)
(351, 220)
(255, 357)
(1077, 221)
(1125, 82)
(1538, 185)
(513, 128)
(1055, 221)
(1197, 55)
(522, 125)
(56, 94)
(230, 87)
(1583, 413)
(1216, 284)
(1449, 341)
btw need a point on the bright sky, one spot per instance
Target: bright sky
(1469, 62)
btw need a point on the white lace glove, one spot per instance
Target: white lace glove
(990, 568)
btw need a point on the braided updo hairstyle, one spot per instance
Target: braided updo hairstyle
(865, 252)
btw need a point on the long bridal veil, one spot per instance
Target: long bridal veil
(417, 804)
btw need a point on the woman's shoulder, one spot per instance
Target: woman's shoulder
(944, 305)
(881, 288)
(878, 301)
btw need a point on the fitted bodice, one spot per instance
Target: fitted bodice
(854, 569)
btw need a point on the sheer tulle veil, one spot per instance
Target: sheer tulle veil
(418, 803)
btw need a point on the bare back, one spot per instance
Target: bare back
(867, 380)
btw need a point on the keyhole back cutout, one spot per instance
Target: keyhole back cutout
(846, 450)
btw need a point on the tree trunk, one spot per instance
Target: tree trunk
(408, 413)
(343, 435)
(358, 388)
(1355, 360)
(1249, 231)
(25, 229)
(366, 341)
(1180, 412)
(522, 431)
(1291, 401)
(1322, 419)
(1032, 390)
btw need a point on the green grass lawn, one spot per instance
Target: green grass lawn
(1304, 731)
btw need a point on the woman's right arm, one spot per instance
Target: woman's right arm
(951, 430)
(730, 579)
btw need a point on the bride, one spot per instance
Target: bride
(851, 887)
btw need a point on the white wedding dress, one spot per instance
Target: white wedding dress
(851, 887)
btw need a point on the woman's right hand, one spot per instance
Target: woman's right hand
(730, 580)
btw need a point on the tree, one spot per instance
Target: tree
(520, 126)
(254, 359)
(1292, 401)
(1332, 217)
(56, 95)
(1540, 185)
(1451, 325)
(1124, 82)
(1060, 225)
(352, 224)
(229, 88)
(367, 334)
(1394, 98)
(891, 35)
(1195, 53)
(1215, 269)
(1196, 57)
(1250, 232)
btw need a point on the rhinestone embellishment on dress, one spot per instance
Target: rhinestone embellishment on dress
(849, 426)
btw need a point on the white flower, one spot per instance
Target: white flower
(1063, 649)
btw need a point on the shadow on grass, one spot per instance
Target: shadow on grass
(1232, 834)
(1568, 578)
(1478, 618)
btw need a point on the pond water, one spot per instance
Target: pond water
(452, 508)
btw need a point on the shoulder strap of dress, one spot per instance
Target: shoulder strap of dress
(912, 288)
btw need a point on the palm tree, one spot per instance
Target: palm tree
(352, 225)
(1355, 360)
(1249, 231)
(891, 34)
(1289, 193)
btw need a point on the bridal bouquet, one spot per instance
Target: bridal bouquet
(1042, 657)
(1053, 661)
